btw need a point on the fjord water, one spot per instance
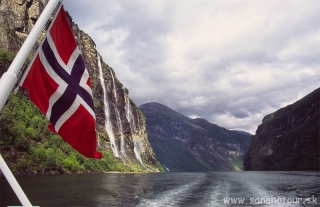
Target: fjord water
(169, 189)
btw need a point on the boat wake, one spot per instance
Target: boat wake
(171, 197)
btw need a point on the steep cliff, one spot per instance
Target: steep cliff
(288, 139)
(121, 127)
(185, 144)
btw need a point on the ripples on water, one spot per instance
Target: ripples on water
(167, 189)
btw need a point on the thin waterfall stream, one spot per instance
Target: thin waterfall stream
(108, 125)
(136, 142)
(119, 122)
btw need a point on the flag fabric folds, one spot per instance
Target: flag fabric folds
(59, 84)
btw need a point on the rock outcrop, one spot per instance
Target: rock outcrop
(288, 139)
(127, 123)
(185, 144)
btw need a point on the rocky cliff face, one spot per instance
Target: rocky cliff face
(288, 139)
(121, 127)
(17, 18)
(126, 133)
(185, 144)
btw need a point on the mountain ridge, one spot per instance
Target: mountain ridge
(185, 144)
(289, 138)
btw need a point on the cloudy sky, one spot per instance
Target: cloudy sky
(230, 62)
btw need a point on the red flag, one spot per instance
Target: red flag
(59, 84)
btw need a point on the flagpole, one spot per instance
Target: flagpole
(9, 79)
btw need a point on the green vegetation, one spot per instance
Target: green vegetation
(5, 60)
(29, 146)
(6, 56)
(26, 143)
(238, 163)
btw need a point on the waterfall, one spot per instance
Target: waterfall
(128, 109)
(114, 87)
(122, 146)
(108, 125)
(136, 141)
(165, 167)
(119, 122)
(129, 116)
(136, 149)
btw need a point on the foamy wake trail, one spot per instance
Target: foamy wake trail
(261, 193)
(218, 192)
(170, 197)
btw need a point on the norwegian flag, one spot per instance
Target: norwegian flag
(59, 84)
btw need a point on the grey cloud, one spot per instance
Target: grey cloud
(272, 61)
(239, 114)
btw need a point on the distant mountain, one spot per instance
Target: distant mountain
(242, 132)
(288, 139)
(185, 144)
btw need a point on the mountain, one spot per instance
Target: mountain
(185, 144)
(242, 132)
(288, 139)
(121, 127)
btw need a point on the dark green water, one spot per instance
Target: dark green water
(169, 189)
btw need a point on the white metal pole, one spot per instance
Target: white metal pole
(14, 184)
(9, 79)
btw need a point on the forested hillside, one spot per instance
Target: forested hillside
(29, 146)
